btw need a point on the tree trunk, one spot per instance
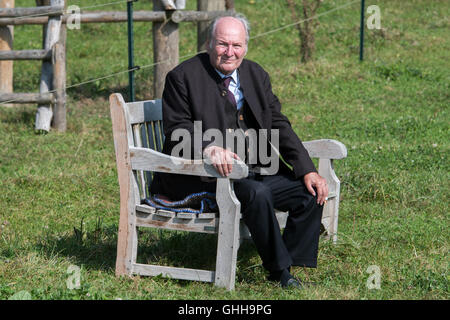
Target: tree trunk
(306, 25)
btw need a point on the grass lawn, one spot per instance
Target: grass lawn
(391, 111)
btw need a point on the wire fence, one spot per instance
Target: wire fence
(187, 55)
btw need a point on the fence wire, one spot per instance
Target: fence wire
(191, 54)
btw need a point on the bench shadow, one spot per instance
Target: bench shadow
(97, 250)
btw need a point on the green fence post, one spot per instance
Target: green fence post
(130, 50)
(361, 32)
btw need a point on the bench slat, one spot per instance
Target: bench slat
(173, 272)
(144, 111)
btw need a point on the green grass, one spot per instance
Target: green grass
(391, 111)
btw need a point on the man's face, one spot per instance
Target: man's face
(228, 46)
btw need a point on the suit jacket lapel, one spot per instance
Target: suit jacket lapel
(249, 93)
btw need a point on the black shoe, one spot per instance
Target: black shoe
(278, 275)
(291, 283)
(284, 278)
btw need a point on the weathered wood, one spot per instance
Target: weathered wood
(6, 44)
(145, 111)
(140, 173)
(53, 10)
(165, 213)
(26, 55)
(186, 215)
(326, 149)
(150, 160)
(198, 16)
(331, 208)
(121, 16)
(165, 50)
(93, 17)
(47, 97)
(127, 238)
(181, 221)
(228, 236)
(59, 85)
(202, 27)
(59, 79)
(172, 272)
(44, 113)
(145, 208)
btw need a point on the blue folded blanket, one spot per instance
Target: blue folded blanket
(194, 203)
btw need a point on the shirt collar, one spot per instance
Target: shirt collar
(233, 76)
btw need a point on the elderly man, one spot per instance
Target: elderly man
(225, 91)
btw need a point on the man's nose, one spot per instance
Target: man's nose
(229, 52)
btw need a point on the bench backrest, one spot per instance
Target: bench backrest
(145, 120)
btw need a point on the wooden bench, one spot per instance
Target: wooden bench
(138, 141)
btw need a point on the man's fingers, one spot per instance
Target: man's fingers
(222, 160)
(322, 194)
(310, 189)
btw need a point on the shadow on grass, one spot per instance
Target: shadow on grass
(96, 250)
(25, 114)
(185, 249)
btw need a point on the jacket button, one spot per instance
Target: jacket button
(224, 93)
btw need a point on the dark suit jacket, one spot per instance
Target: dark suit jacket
(193, 92)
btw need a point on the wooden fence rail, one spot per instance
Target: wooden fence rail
(26, 55)
(56, 10)
(121, 16)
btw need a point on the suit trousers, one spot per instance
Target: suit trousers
(298, 245)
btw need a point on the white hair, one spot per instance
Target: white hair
(238, 16)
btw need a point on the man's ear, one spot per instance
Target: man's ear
(209, 44)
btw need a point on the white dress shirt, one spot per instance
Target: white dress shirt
(234, 87)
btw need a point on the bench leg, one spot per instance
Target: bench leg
(331, 208)
(228, 237)
(127, 237)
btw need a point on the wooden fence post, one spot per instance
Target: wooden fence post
(59, 80)
(165, 48)
(202, 27)
(59, 85)
(6, 44)
(44, 112)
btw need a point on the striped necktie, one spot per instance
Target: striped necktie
(230, 95)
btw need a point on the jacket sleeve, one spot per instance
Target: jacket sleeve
(290, 146)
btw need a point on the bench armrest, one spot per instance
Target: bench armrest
(150, 160)
(326, 149)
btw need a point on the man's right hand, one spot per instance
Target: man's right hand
(221, 159)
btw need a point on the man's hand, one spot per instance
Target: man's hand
(221, 159)
(313, 180)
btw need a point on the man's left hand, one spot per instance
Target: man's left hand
(314, 182)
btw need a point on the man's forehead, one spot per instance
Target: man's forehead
(229, 25)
